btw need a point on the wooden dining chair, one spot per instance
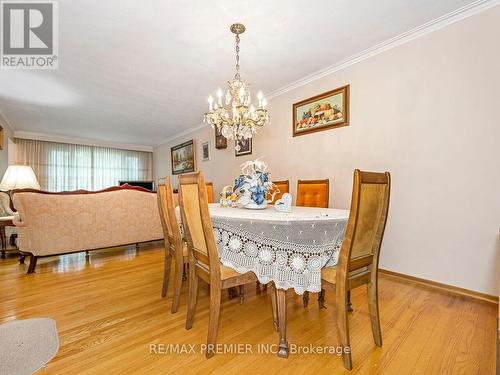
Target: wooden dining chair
(282, 186)
(210, 192)
(175, 246)
(313, 193)
(359, 254)
(203, 254)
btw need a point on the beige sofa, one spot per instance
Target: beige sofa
(67, 222)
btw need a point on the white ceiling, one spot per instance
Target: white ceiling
(139, 72)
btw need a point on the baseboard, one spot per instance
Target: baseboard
(498, 347)
(444, 287)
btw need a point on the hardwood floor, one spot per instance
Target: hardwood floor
(109, 311)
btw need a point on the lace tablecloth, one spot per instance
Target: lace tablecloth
(287, 248)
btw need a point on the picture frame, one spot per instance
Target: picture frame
(205, 151)
(182, 158)
(220, 140)
(328, 110)
(245, 147)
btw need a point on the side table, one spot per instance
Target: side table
(5, 221)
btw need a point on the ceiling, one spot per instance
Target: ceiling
(139, 72)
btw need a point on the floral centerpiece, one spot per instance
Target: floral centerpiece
(253, 185)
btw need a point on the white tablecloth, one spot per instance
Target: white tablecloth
(287, 248)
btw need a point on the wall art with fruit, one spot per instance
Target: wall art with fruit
(321, 112)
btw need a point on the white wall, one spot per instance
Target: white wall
(426, 111)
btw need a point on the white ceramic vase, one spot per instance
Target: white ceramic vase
(255, 206)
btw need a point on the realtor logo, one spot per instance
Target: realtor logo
(29, 35)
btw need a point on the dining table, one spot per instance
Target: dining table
(287, 249)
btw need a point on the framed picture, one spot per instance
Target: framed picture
(245, 147)
(182, 157)
(220, 140)
(321, 112)
(205, 151)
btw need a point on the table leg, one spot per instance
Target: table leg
(4, 241)
(281, 302)
(274, 306)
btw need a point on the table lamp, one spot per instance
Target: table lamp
(19, 177)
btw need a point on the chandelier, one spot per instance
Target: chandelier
(234, 115)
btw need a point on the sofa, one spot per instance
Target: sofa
(60, 223)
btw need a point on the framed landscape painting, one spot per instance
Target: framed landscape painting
(321, 112)
(182, 157)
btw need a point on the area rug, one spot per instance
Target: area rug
(27, 345)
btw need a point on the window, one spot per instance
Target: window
(61, 166)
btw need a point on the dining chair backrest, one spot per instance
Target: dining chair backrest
(210, 192)
(198, 231)
(367, 219)
(282, 186)
(170, 224)
(313, 193)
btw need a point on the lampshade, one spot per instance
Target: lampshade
(19, 177)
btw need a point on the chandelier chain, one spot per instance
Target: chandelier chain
(237, 75)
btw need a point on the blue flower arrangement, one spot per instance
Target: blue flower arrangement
(253, 185)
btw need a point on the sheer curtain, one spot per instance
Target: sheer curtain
(62, 166)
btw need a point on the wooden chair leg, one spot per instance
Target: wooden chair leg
(321, 299)
(184, 273)
(374, 312)
(213, 319)
(192, 297)
(274, 307)
(22, 257)
(31, 267)
(242, 294)
(166, 272)
(4, 241)
(177, 287)
(257, 288)
(260, 287)
(4, 237)
(343, 327)
(349, 303)
(305, 298)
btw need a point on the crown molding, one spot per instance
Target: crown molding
(417, 32)
(6, 121)
(428, 27)
(180, 135)
(80, 141)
